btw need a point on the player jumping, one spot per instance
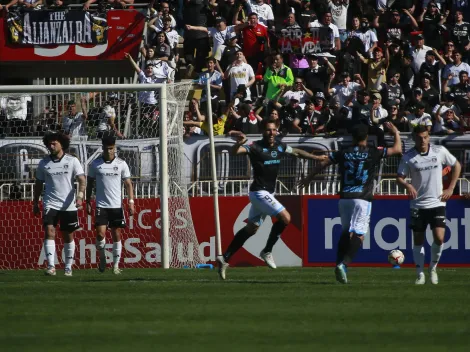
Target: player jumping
(424, 164)
(357, 168)
(109, 171)
(59, 171)
(265, 156)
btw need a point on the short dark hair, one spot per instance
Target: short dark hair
(211, 58)
(108, 139)
(60, 137)
(360, 132)
(463, 73)
(420, 129)
(265, 122)
(253, 14)
(245, 108)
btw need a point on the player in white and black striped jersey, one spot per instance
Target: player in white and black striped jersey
(109, 172)
(59, 172)
(424, 164)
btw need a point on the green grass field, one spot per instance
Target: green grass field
(256, 309)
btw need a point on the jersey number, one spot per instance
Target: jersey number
(353, 174)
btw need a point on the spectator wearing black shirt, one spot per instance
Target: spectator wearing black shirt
(430, 94)
(460, 91)
(432, 67)
(361, 109)
(289, 113)
(395, 29)
(304, 13)
(415, 100)
(317, 77)
(396, 117)
(460, 33)
(432, 21)
(392, 92)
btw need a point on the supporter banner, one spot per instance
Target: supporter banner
(21, 235)
(70, 35)
(389, 229)
(305, 41)
(56, 27)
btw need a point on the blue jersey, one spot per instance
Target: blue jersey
(357, 168)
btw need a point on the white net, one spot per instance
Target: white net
(134, 118)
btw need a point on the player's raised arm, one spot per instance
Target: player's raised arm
(306, 181)
(397, 147)
(238, 148)
(302, 154)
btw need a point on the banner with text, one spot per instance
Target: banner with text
(389, 229)
(56, 27)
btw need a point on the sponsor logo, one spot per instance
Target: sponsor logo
(120, 28)
(274, 154)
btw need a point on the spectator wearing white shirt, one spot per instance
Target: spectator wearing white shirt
(215, 79)
(420, 118)
(157, 17)
(360, 28)
(220, 33)
(346, 90)
(451, 72)
(171, 34)
(418, 52)
(339, 13)
(107, 118)
(299, 92)
(326, 32)
(264, 12)
(240, 74)
(74, 124)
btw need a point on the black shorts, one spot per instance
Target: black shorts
(421, 218)
(68, 219)
(111, 217)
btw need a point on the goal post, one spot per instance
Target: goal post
(152, 127)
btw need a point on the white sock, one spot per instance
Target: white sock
(69, 249)
(418, 257)
(436, 252)
(117, 249)
(49, 251)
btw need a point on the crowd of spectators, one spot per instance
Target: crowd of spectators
(319, 66)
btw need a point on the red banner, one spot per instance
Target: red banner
(21, 235)
(124, 35)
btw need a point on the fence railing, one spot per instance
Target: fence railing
(233, 188)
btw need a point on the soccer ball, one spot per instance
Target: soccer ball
(396, 257)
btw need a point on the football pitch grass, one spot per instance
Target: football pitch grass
(256, 309)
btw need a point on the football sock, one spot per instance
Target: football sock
(436, 252)
(100, 245)
(354, 244)
(418, 257)
(117, 249)
(237, 243)
(69, 249)
(49, 250)
(343, 245)
(274, 235)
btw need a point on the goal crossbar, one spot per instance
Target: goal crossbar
(21, 89)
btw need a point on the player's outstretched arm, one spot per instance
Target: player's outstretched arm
(237, 148)
(130, 194)
(38, 187)
(408, 186)
(81, 190)
(306, 181)
(397, 147)
(447, 193)
(90, 185)
(302, 154)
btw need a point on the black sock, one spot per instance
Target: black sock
(354, 244)
(343, 246)
(274, 235)
(237, 243)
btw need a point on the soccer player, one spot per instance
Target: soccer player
(357, 168)
(424, 164)
(265, 156)
(109, 172)
(59, 172)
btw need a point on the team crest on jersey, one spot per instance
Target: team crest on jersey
(66, 166)
(434, 160)
(274, 154)
(115, 168)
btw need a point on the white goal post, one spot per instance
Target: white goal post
(170, 103)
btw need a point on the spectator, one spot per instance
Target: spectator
(264, 12)
(460, 92)
(276, 76)
(162, 47)
(193, 114)
(241, 76)
(228, 9)
(432, 24)
(7, 7)
(448, 52)
(460, 33)
(195, 14)
(107, 123)
(378, 113)
(31, 4)
(298, 91)
(407, 77)
(377, 67)
(430, 94)
(158, 17)
(226, 54)
(415, 99)
(361, 109)
(432, 67)
(418, 52)
(171, 34)
(338, 122)
(397, 118)
(447, 124)
(392, 92)
(420, 118)
(317, 77)
(246, 120)
(360, 29)
(218, 123)
(346, 90)
(74, 123)
(215, 79)
(450, 76)
(339, 10)
(395, 29)
(149, 57)
(448, 103)
(288, 114)
(327, 33)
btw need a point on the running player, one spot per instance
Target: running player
(265, 156)
(357, 168)
(109, 171)
(59, 172)
(424, 164)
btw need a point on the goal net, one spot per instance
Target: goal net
(85, 113)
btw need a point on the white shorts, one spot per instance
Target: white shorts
(263, 204)
(355, 215)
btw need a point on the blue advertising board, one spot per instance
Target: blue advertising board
(389, 229)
